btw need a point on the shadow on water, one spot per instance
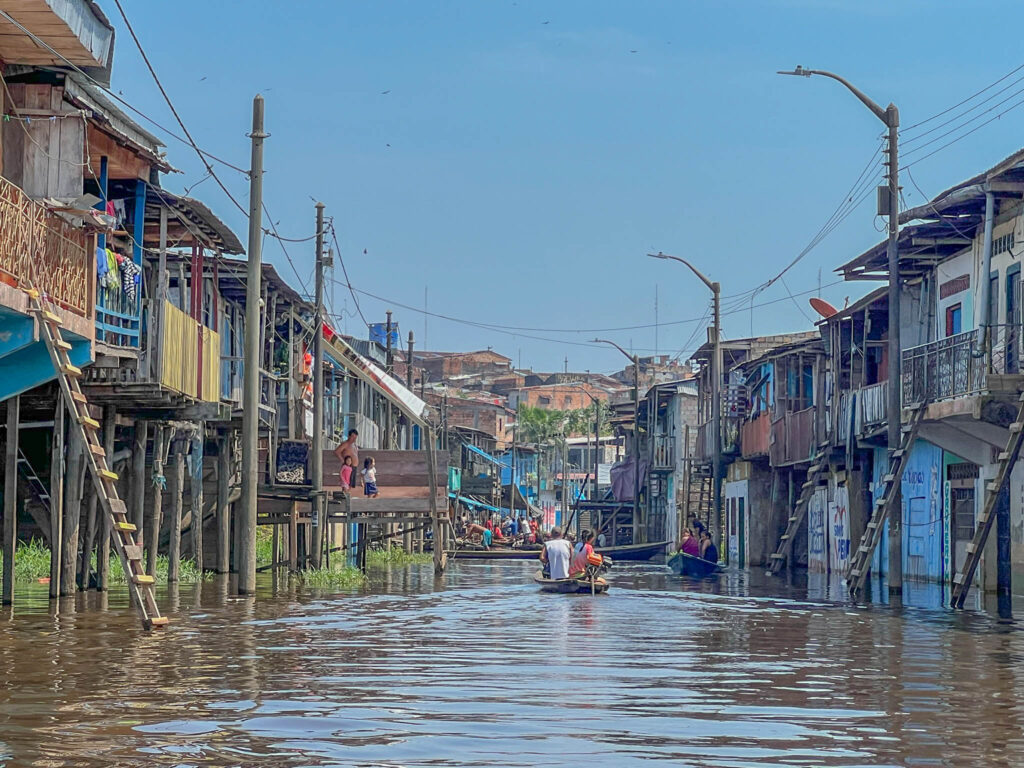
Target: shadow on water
(477, 668)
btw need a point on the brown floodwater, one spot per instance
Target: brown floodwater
(479, 669)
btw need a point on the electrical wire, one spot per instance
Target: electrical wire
(348, 282)
(961, 103)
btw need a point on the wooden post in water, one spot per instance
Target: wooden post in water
(10, 498)
(196, 493)
(137, 500)
(223, 506)
(437, 533)
(177, 491)
(160, 438)
(56, 496)
(75, 481)
(89, 539)
(103, 549)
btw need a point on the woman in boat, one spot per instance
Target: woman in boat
(584, 548)
(689, 545)
(708, 550)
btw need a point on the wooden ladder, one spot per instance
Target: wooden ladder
(1007, 459)
(140, 584)
(34, 481)
(785, 549)
(860, 562)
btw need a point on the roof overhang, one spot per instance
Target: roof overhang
(190, 222)
(75, 29)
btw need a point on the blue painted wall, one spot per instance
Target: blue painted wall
(923, 542)
(880, 560)
(30, 366)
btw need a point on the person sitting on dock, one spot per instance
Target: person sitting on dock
(556, 555)
(584, 549)
(708, 550)
(689, 545)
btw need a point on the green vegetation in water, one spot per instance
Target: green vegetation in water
(32, 563)
(395, 557)
(264, 545)
(345, 577)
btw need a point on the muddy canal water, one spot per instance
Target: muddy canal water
(479, 669)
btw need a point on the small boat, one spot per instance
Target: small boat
(578, 586)
(683, 564)
(634, 552)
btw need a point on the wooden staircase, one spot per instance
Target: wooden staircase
(35, 483)
(860, 561)
(140, 584)
(1007, 459)
(785, 549)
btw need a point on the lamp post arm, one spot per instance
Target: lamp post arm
(877, 110)
(703, 278)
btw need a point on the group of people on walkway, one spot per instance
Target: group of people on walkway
(697, 542)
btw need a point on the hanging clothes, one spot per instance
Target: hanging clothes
(101, 267)
(130, 274)
(113, 280)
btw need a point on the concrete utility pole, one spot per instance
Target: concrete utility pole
(408, 364)
(889, 207)
(251, 376)
(317, 462)
(715, 334)
(639, 534)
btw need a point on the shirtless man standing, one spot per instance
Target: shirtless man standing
(349, 448)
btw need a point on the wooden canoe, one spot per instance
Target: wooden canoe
(570, 586)
(688, 565)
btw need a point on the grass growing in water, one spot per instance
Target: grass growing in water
(395, 557)
(32, 562)
(345, 577)
(264, 545)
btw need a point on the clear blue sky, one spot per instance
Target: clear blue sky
(528, 154)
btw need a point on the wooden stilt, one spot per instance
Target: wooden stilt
(10, 498)
(223, 507)
(293, 540)
(177, 490)
(103, 548)
(75, 481)
(440, 558)
(89, 537)
(156, 516)
(275, 542)
(137, 500)
(56, 497)
(196, 494)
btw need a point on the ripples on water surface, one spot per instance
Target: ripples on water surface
(479, 669)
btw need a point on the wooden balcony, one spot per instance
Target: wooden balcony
(861, 410)
(792, 438)
(39, 246)
(755, 436)
(663, 452)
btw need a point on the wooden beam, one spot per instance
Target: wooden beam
(56, 497)
(223, 508)
(160, 438)
(177, 492)
(75, 484)
(106, 524)
(10, 498)
(196, 494)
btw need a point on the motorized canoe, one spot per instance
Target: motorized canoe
(627, 552)
(683, 564)
(571, 586)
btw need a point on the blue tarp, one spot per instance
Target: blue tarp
(484, 454)
(479, 504)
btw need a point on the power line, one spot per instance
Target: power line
(961, 103)
(344, 269)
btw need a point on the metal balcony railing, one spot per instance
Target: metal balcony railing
(943, 369)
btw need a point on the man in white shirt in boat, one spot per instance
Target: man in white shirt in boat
(556, 555)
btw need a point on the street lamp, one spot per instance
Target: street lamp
(891, 117)
(716, 389)
(636, 437)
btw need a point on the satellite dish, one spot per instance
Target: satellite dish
(822, 307)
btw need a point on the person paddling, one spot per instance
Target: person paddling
(584, 549)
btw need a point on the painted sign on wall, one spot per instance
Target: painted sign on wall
(839, 530)
(817, 554)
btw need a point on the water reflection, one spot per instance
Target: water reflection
(479, 669)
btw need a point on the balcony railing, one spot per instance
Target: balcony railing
(792, 438)
(191, 356)
(943, 369)
(40, 246)
(755, 436)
